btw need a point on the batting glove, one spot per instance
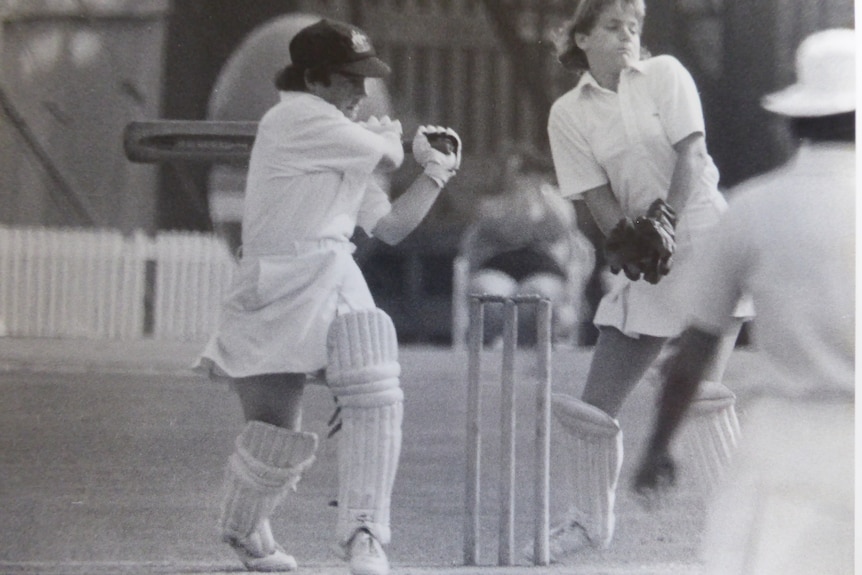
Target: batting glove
(438, 151)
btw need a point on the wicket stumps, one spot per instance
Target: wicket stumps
(507, 423)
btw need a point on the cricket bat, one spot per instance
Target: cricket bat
(204, 141)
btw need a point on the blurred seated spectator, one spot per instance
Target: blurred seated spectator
(524, 240)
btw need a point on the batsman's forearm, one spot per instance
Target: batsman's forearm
(408, 211)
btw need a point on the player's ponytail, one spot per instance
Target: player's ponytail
(291, 79)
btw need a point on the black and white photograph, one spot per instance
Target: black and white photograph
(428, 287)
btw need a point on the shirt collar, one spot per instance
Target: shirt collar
(827, 157)
(637, 66)
(587, 79)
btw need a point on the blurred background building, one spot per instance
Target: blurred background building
(75, 72)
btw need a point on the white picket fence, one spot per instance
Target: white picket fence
(100, 284)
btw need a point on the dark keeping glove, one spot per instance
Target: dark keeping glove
(660, 211)
(656, 232)
(644, 247)
(622, 250)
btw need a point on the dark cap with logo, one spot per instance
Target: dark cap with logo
(336, 46)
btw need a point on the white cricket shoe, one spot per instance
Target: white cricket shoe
(366, 555)
(255, 557)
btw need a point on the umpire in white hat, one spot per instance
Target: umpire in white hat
(788, 240)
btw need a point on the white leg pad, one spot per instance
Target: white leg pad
(268, 460)
(594, 443)
(710, 434)
(363, 373)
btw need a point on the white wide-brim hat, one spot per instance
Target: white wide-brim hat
(825, 77)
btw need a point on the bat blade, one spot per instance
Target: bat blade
(206, 141)
(201, 141)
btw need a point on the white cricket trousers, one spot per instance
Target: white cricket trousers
(787, 507)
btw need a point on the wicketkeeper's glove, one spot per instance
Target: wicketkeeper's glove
(643, 247)
(622, 250)
(438, 151)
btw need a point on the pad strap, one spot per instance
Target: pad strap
(267, 461)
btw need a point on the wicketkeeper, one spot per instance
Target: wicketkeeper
(300, 305)
(629, 140)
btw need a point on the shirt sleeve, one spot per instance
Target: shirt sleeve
(677, 99)
(576, 168)
(319, 142)
(375, 205)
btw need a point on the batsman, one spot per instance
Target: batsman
(300, 306)
(629, 140)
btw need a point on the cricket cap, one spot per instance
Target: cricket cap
(336, 46)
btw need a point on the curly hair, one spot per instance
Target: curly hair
(583, 21)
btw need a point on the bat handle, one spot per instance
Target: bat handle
(440, 142)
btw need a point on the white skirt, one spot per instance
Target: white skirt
(278, 313)
(787, 505)
(641, 308)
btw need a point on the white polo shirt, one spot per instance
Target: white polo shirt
(788, 239)
(625, 139)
